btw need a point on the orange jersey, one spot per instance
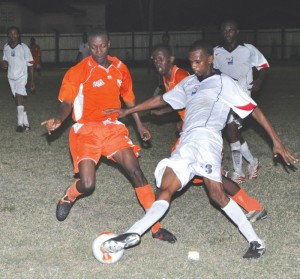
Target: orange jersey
(92, 89)
(36, 54)
(177, 75)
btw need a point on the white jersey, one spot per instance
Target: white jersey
(207, 104)
(238, 63)
(84, 49)
(18, 58)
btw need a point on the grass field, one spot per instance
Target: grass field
(36, 169)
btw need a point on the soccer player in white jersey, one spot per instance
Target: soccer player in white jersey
(17, 59)
(236, 59)
(207, 97)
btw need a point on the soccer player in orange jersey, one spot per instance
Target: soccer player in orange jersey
(171, 74)
(88, 88)
(37, 55)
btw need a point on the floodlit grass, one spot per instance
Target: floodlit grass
(35, 170)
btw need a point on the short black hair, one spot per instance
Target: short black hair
(229, 21)
(97, 32)
(164, 47)
(13, 28)
(205, 46)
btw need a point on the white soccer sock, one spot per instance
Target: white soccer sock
(154, 214)
(20, 110)
(235, 213)
(237, 157)
(26, 123)
(246, 152)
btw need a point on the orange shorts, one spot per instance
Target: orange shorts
(95, 139)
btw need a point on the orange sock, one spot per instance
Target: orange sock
(245, 201)
(72, 192)
(197, 180)
(146, 197)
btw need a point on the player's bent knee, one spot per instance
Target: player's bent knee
(87, 186)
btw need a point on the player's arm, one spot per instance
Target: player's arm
(32, 84)
(278, 147)
(257, 83)
(144, 133)
(54, 123)
(152, 103)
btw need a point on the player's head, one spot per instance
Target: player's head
(201, 58)
(163, 59)
(230, 31)
(13, 34)
(99, 44)
(32, 40)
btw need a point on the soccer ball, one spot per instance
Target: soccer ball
(103, 257)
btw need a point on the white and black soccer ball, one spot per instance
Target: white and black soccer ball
(104, 257)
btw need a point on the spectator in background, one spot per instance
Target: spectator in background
(16, 59)
(83, 50)
(37, 57)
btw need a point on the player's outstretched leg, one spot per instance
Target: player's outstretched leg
(120, 242)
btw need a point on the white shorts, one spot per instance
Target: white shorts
(198, 153)
(18, 85)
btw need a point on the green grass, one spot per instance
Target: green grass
(36, 169)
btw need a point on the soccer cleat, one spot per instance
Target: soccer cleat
(120, 242)
(255, 250)
(20, 129)
(63, 208)
(26, 128)
(164, 235)
(257, 215)
(253, 169)
(238, 178)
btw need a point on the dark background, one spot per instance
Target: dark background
(133, 15)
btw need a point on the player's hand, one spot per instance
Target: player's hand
(51, 125)
(122, 112)
(4, 65)
(285, 154)
(256, 85)
(32, 87)
(144, 133)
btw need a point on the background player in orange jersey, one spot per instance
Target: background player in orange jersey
(37, 57)
(88, 88)
(163, 60)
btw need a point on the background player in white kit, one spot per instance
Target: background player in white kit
(17, 58)
(236, 59)
(207, 97)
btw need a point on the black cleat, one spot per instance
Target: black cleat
(255, 250)
(20, 129)
(63, 208)
(164, 235)
(26, 128)
(120, 242)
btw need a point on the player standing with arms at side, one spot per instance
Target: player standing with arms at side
(37, 57)
(17, 59)
(88, 88)
(207, 97)
(172, 75)
(83, 50)
(236, 59)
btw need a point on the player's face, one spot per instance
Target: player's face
(230, 33)
(99, 46)
(201, 63)
(163, 62)
(13, 36)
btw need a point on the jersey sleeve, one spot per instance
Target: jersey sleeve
(176, 97)
(234, 96)
(68, 88)
(28, 55)
(257, 59)
(126, 90)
